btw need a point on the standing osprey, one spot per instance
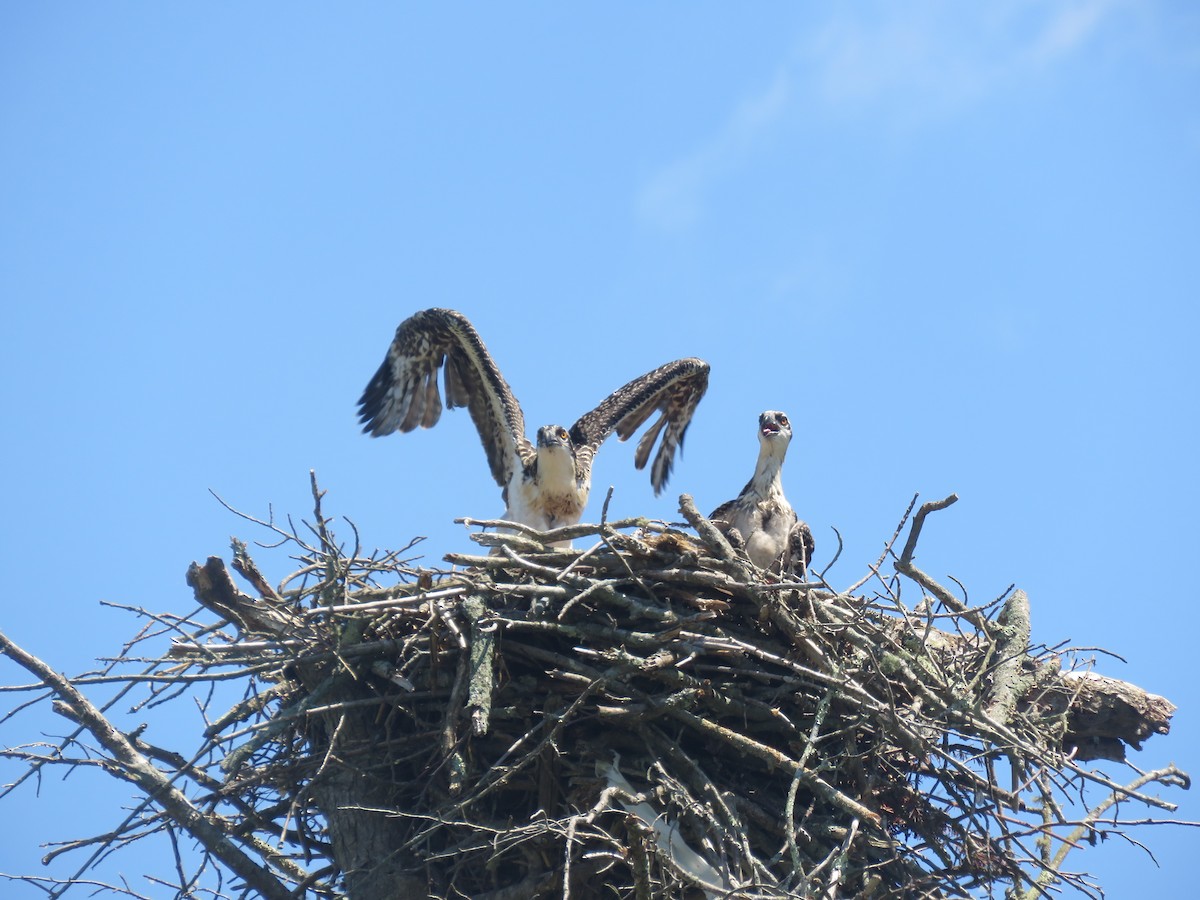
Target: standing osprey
(761, 518)
(545, 484)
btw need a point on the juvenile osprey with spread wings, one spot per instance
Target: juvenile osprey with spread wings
(760, 518)
(545, 484)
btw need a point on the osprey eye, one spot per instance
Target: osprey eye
(783, 420)
(562, 434)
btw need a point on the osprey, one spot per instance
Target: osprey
(760, 518)
(546, 483)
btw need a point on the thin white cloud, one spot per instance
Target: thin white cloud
(904, 63)
(854, 61)
(927, 59)
(673, 198)
(1069, 28)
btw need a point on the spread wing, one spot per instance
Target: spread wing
(672, 390)
(403, 394)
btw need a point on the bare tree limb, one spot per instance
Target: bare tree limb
(142, 772)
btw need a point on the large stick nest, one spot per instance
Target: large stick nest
(647, 715)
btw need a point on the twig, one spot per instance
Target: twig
(139, 770)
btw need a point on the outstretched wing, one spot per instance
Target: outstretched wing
(672, 390)
(403, 394)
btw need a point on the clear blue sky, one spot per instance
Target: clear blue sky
(958, 243)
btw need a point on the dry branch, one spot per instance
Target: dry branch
(649, 713)
(133, 765)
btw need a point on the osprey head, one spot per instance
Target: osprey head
(555, 466)
(774, 426)
(555, 436)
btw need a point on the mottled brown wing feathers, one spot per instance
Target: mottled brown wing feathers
(403, 394)
(722, 516)
(673, 390)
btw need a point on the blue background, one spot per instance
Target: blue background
(959, 244)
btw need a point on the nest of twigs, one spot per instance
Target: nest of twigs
(647, 715)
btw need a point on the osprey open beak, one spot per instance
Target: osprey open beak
(771, 423)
